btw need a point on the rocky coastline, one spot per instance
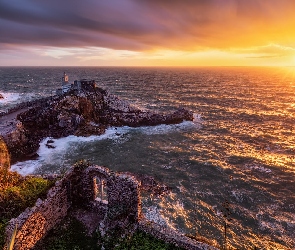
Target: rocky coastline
(86, 112)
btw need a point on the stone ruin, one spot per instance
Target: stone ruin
(113, 197)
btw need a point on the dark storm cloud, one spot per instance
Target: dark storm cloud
(67, 23)
(135, 24)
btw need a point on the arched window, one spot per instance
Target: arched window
(100, 189)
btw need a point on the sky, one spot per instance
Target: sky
(147, 33)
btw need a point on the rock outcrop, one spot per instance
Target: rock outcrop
(85, 113)
(4, 156)
(1, 96)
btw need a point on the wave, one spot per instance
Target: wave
(9, 97)
(54, 151)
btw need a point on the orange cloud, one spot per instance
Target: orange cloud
(231, 28)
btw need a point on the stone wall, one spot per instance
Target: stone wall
(124, 205)
(171, 236)
(114, 196)
(35, 222)
(79, 190)
(123, 198)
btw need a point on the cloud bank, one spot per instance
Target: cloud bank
(146, 25)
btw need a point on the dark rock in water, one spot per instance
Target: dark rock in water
(151, 186)
(83, 114)
(49, 146)
(33, 156)
(1, 96)
(90, 129)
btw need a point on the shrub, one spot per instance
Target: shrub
(16, 194)
(143, 241)
(69, 234)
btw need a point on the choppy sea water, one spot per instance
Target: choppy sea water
(239, 149)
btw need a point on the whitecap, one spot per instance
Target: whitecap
(166, 129)
(25, 167)
(152, 213)
(58, 152)
(260, 169)
(9, 97)
(197, 118)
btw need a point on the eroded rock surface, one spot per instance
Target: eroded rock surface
(88, 112)
(4, 156)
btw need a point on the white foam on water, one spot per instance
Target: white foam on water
(9, 97)
(260, 169)
(165, 129)
(152, 213)
(25, 167)
(197, 120)
(56, 155)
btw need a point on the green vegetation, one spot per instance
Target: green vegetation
(16, 192)
(71, 234)
(4, 155)
(143, 241)
(81, 165)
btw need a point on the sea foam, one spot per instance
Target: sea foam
(9, 97)
(56, 154)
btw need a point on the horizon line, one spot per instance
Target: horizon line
(152, 66)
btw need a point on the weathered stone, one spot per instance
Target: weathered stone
(120, 212)
(87, 113)
(4, 155)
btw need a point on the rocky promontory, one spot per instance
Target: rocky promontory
(87, 112)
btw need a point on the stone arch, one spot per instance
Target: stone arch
(95, 185)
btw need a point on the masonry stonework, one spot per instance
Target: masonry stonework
(35, 222)
(114, 196)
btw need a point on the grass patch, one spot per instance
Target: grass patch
(15, 198)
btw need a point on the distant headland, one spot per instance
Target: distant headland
(82, 109)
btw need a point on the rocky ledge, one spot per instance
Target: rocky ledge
(85, 113)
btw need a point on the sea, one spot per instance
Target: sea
(230, 171)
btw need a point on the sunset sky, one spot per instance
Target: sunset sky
(147, 32)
